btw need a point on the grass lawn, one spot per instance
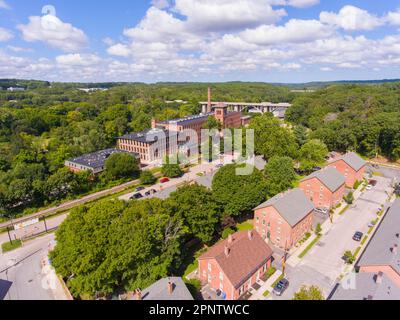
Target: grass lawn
(277, 280)
(247, 225)
(7, 246)
(356, 252)
(192, 262)
(266, 293)
(301, 255)
(344, 209)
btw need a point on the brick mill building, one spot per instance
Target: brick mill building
(234, 265)
(325, 187)
(284, 219)
(94, 162)
(352, 166)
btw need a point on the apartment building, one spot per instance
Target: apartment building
(284, 219)
(234, 265)
(352, 166)
(325, 188)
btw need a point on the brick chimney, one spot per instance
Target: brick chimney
(250, 234)
(227, 251)
(379, 277)
(230, 239)
(171, 287)
(395, 249)
(209, 101)
(138, 294)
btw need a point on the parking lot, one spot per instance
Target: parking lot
(323, 264)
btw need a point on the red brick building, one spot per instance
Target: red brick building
(351, 166)
(325, 187)
(234, 265)
(284, 219)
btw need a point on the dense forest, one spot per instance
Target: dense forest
(51, 122)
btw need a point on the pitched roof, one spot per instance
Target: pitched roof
(159, 290)
(293, 205)
(245, 256)
(330, 177)
(366, 286)
(149, 136)
(378, 251)
(353, 160)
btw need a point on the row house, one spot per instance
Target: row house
(352, 166)
(284, 219)
(325, 188)
(234, 265)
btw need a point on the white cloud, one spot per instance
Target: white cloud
(351, 18)
(294, 31)
(119, 50)
(302, 3)
(160, 4)
(77, 59)
(18, 49)
(227, 15)
(4, 5)
(5, 34)
(51, 30)
(394, 18)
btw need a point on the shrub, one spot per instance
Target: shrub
(227, 232)
(147, 178)
(318, 229)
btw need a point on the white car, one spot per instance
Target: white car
(322, 210)
(369, 187)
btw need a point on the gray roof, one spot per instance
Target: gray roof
(353, 160)
(96, 160)
(148, 135)
(330, 177)
(293, 205)
(189, 119)
(159, 290)
(378, 251)
(366, 286)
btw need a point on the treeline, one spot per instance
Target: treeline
(360, 118)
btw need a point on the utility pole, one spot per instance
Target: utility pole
(45, 224)
(284, 259)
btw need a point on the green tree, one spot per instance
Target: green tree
(301, 135)
(280, 175)
(238, 194)
(122, 165)
(171, 170)
(197, 208)
(312, 154)
(147, 177)
(309, 293)
(212, 123)
(271, 139)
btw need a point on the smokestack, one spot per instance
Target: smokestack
(138, 293)
(379, 277)
(226, 251)
(209, 101)
(171, 287)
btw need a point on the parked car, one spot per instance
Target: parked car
(371, 224)
(358, 236)
(136, 196)
(219, 166)
(369, 187)
(316, 168)
(164, 180)
(373, 182)
(322, 210)
(147, 193)
(280, 287)
(139, 189)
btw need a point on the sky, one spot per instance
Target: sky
(290, 41)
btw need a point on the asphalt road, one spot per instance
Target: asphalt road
(23, 271)
(323, 264)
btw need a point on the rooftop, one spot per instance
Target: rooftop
(260, 104)
(380, 249)
(148, 135)
(293, 205)
(186, 120)
(367, 288)
(97, 159)
(245, 255)
(353, 160)
(160, 290)
(330, 177)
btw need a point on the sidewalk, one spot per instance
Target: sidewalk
(267, 286)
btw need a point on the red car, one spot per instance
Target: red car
(164, 180)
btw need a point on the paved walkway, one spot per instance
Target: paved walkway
(266, 286)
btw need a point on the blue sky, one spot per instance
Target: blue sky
(200, 40)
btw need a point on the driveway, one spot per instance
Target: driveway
(323, 264)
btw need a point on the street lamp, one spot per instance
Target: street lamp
(11, 217)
